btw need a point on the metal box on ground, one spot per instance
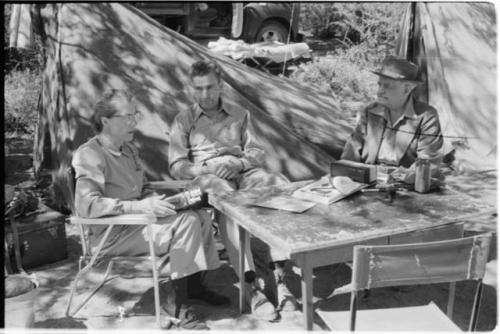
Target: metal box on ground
(42, 238)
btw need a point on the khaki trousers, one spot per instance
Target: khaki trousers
(253, 178)
(184, 242)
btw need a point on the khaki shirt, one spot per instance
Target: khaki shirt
(416, 134)
(106, 180)
(196, 138)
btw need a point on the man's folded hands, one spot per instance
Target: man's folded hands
(226, 167)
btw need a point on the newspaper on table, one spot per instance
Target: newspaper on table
(328, 190)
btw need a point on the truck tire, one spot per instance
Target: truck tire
(272, 31)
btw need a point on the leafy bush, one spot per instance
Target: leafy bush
(345, 79)
(353, 23)
(364, 34)
(21, 92)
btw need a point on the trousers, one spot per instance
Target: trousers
(184, 242)
(255, 249)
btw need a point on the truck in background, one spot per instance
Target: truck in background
(252, 22)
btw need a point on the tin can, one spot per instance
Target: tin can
(422, 175)
(186, 198)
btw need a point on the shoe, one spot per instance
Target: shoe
(261, 307)
(178, 313)
(286, 301)
(209, 297)
(189, 319)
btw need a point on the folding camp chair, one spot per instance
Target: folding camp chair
(446, 232)
(408, 264)
(90, 258)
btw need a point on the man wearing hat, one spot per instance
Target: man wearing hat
(396, 129)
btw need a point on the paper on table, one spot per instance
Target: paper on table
(321, 191)
(286, 203)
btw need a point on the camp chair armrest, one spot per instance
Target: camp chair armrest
(126, 219)
(168, 184)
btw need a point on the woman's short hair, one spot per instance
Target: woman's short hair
(105, 107)
(205, 67)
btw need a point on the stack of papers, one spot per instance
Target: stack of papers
(324, 191)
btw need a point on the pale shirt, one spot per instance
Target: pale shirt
(106, 180)
(197, 138)
(107, 183)
(415, 134)
(387, 153)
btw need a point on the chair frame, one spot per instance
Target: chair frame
(111, 221)
(479, 248)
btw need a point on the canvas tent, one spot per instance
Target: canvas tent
(89, 47)
(455, 46)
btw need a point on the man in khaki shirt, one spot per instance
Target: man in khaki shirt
(110, 181)
(396, 130)
(212, 143)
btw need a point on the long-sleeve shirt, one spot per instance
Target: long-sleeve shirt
(196, 138)
(416, 134)
(106, 181)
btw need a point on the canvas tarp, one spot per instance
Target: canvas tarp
(455, 45)
(91, 47)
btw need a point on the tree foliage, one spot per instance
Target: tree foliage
(352, 23)
(363, 34)
(22, 83)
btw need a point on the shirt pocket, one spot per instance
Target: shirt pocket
(230, 134)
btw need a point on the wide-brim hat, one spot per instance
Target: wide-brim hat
(398, 69)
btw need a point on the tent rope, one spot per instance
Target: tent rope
(431, 135)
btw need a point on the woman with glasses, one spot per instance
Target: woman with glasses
(109, 181)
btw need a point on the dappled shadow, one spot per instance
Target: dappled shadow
(103, 45)
(459, 50)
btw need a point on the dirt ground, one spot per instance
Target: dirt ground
(105, 310)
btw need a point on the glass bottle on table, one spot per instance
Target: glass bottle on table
(422, 175)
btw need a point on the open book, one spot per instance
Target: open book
(324, 192)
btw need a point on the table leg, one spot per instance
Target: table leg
(241, 259)
(307, 292)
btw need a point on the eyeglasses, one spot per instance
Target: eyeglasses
(130, 117)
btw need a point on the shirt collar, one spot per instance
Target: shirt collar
(225, 107)
(410, 109)
(108, 145)
(383, 111)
